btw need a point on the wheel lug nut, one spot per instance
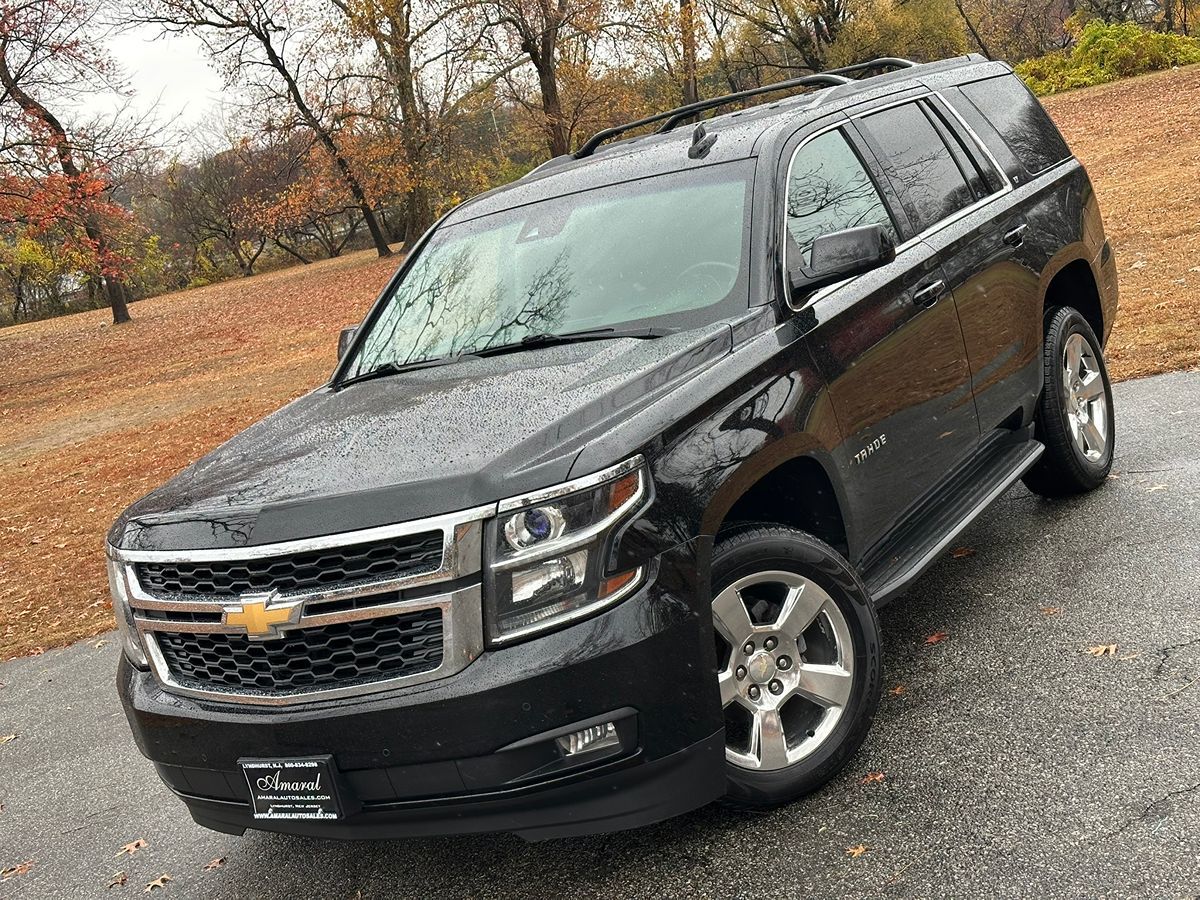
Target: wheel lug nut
(783, 662)
(753, 692)
(776, 686)
(770, 644)
(749, 648)
(740, 672)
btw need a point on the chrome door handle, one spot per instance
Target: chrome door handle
(1016, 237)
(930, 294)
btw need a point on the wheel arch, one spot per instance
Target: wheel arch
(796, 491)
(1070, 281)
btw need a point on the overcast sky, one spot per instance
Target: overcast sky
(172, 70)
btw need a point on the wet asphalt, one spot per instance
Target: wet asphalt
(1015, 763)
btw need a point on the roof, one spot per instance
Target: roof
(739, 134)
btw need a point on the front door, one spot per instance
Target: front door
(888, 342)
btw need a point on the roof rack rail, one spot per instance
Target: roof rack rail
(882, 62)
(673, 117)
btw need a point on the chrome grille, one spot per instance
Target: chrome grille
(336, 655)
(345, 618)
(396, 558)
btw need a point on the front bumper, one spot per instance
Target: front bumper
(475, 752)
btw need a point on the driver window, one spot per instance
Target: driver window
(829, 190)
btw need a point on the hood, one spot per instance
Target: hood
(413, 445)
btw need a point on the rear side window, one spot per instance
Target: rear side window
(1020, 119)
(919, 163)
(829, 190)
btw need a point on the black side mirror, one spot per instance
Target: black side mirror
(346, 338)
(842, 254)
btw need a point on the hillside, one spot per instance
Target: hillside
(94, 416)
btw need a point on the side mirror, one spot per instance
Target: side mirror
(345, 339)
(843, 254)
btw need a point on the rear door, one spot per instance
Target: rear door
(888, 342)
(962, 206)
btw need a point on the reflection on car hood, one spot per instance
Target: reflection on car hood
(415, 444)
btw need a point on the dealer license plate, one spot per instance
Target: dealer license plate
(298, 788)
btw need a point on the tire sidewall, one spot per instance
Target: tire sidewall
(1067, 323)
(776, 547)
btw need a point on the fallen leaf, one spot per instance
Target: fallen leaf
(962, 552)
(856, 852)
(214, 864)
(1103, 650)
(118, 880)
(937, 637)
(898, 690)
(14, 871)
(1157, 487)
(131, 848)
(1128, 656)
(1051, 610)
(872, 778)
(159, 882)
(5, 738)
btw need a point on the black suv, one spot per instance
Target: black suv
(590, 524)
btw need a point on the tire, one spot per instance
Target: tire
(1075, 411)
(779, 576)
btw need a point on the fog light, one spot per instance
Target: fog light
(589, 740)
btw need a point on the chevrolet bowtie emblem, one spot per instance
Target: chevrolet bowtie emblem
(261, 616)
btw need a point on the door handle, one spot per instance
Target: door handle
(1016, 237)
(930, 294)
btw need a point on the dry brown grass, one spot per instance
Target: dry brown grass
(92, 416)
(1140, 141)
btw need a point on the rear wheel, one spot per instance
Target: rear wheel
(1075, 412)
(798, 662)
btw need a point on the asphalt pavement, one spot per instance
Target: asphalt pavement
(1015, 763)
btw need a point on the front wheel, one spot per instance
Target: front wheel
(1075, 412)
(798, 662)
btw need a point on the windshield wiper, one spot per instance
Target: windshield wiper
(394, 368)
(533, 341)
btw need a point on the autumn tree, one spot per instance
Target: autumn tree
(281, 54)
(53, 173)
(552, 36)
(398, 32)
(311, 214)
(787, 35)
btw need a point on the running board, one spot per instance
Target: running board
(919, 543)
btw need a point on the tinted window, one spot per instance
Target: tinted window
(829, 190)
(984, 178)
(919, 164)
(1020, 120)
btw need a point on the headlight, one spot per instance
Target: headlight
(126, 628)
(550, 551)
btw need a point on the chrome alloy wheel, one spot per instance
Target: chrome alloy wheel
(1086, 399)
(788, 668)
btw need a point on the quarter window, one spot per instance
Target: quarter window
(919, 164)
(1020, 119)
(829, 190)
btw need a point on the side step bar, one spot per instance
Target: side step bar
(919, 543)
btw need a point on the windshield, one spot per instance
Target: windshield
(664, 252)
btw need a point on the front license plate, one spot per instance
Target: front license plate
(299, 788)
